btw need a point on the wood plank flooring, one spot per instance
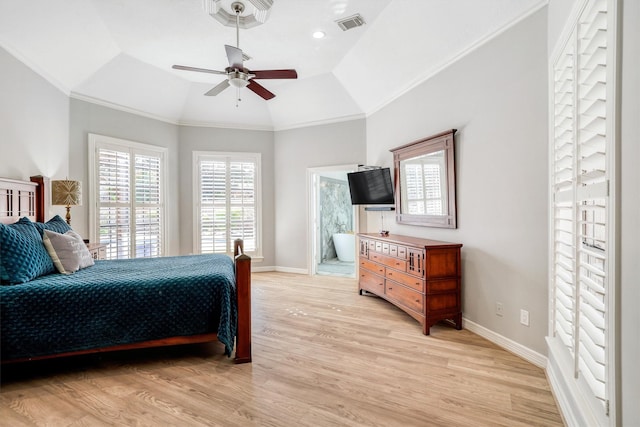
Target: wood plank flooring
(322, 356)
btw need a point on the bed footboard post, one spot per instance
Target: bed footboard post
(243, 291)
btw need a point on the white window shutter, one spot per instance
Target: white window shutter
(227, 195)
(582, 213)
(114, 189)
(563, 212)
(129, 209)
(592, 192)
(148, 206)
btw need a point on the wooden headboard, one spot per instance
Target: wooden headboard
(22, 198)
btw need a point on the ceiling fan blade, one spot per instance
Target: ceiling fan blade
(274, 74)
(260, 90)
(234, 55)
(218, 88)
(199, 70)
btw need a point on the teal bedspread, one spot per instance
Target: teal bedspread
(120, 302)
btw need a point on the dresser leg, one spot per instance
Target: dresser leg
(426, 327)
(458, 321)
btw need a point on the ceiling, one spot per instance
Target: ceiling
(119, 53)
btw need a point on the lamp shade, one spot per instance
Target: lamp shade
(66, 192)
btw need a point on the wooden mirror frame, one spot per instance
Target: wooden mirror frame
(442, 141)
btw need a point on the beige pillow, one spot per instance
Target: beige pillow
(68, 251)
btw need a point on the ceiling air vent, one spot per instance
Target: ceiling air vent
(351, 22)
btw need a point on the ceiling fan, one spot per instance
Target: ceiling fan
(237, 75)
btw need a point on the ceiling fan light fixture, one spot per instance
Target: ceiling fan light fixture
(238, 79)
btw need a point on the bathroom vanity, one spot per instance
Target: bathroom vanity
(420, 276)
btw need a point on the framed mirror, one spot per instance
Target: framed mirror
(425, 181)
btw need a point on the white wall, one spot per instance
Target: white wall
(296, 150)
(497, 99)
(227, 140)
(34, 125)
(629, 283)
(88, 118)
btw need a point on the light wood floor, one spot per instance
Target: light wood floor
(322, 356)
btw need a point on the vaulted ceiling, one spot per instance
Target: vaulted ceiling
(120, 52)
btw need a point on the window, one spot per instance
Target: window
(127, 211)
(424, 188)
(583, 212)
(227, 187)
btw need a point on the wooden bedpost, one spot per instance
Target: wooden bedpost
(41, 196)
(243, 292)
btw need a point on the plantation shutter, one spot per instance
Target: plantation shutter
(592, 195)
(114, 218)
(581, 207)
(129, 207)
(227, 198)
(242, 203)
(148, 206)
(563, 188)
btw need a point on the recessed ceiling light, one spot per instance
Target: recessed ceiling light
(319, 35)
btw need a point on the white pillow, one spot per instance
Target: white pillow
(68, 251)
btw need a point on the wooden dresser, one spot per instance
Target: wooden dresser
(419, 276)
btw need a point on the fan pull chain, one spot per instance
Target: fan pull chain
(238, 98)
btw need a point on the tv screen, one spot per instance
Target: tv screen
(371, 187)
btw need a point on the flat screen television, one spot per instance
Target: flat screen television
(371, 187)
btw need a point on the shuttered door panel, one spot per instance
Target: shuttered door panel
(582, 213)
(148, 220)
(228, 203)
(243, 203)
(563, 213)
(130, 208)
(114, 213)
(213, 206)
(592, 192)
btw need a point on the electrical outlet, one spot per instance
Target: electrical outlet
(499, 309)
(524, 317)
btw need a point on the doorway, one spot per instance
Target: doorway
(333, 222)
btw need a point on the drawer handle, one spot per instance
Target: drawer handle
(390, 288)
(417, 300)
(390, 274)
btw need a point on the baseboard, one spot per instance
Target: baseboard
(262, 269)
(518, 349)
(292, 270)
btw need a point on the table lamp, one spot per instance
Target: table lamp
(66, 193)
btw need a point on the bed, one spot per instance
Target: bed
(119, 304)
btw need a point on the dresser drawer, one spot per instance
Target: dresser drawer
(405, 296)
(406, 279)
(438, 286)
(372, 266)
(371, 282)
(398, 264)
(402, 252)
(393, 250)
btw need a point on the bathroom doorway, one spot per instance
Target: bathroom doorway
(333, 222)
